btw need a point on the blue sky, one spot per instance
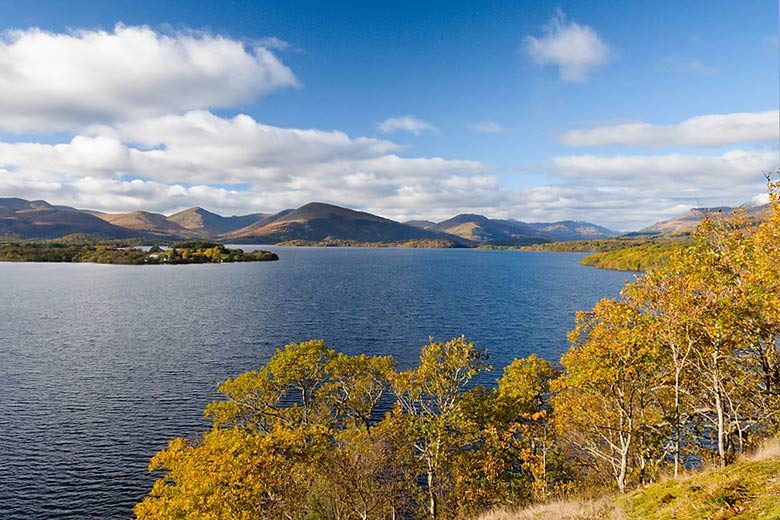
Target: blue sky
(481, 99)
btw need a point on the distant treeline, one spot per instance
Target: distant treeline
(179, 253)
(589, 246)
(641, 257)
(423, 243)
(620, 254)
(681, 371)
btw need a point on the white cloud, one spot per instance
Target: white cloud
(54, 81)
(700, 131)
(487, 127)
(410, 124)
(702, 171)
(238, 165)
(575, 49)
(657, 187)
(235, 165)
(273, 42)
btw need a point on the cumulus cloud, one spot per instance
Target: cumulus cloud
(238, 165)
(55, 81)
(410, 124)
(723, 170)
(667, 185)
(575, 49)
(234, 164)
(700, 131)
(487, 127)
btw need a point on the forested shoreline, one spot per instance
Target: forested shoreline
(682, 371)
(197, 252)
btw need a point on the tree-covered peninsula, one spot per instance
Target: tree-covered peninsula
(115, 253)
(680, 373)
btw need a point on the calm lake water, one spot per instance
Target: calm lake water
(101, 365)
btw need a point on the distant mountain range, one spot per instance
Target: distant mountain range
(313, 222)
(689, 221)
(480, 229)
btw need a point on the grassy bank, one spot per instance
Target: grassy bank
(749, 489)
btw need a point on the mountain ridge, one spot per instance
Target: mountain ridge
(207, 223)
(312, 222)
(318, 221)
(689, 221)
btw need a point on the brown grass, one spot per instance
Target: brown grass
(673, 498)
(569, 510)
(768, 450)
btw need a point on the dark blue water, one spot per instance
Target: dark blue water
(101, 365)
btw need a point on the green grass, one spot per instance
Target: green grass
(747, 490)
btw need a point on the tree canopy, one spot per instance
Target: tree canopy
(682, 370)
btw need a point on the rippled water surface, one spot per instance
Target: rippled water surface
(101, 365)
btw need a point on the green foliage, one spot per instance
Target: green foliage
(621, 254)
(300, 438)
(592, 246)
(113, 252)
(58, 252)
(431, 396)
(640, 257)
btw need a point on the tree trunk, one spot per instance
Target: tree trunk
(626, 440)
(621, 479)
(720, 411)
(677, 420)
(431, 497)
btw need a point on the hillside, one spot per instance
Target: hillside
(746, 490)
(512, 232)
(313, 223)
(566, 230)
(687, 222)
(480, 229)
(38, 219)
(420, 223)
(146, 222)
(317, 221)
(208, 224)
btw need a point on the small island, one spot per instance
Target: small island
(193, 252)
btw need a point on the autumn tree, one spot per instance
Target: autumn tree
(356, 385)
(232, 473)
(285, 390)
(431, 396)
(606, 403)
(522, 405)
(663, 295)
(277, 436)
(511, 456)
(369, 474)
